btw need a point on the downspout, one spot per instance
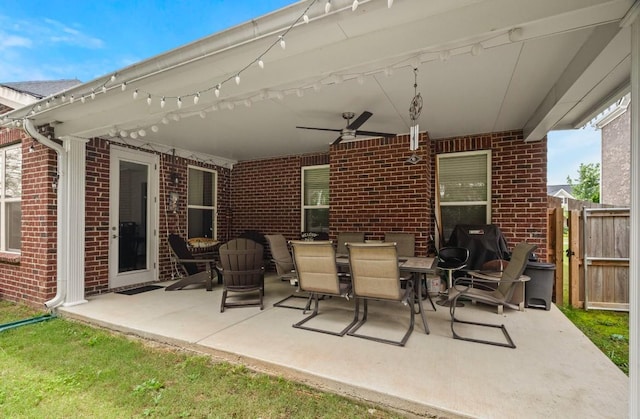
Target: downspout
(61, 277)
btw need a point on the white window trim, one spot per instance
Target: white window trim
(439, 157)
(3, 200)
(302, 205)
(215, 197)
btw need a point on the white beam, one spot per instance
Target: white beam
(634, 249)
(561, 98)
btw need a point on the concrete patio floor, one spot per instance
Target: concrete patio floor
(555, 371)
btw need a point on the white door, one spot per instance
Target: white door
(133, 209)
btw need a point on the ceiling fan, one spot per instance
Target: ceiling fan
(351, 130)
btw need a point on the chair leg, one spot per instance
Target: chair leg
(314, 313)
(401, 342)
(224, 300)
(282, 304)
(452, 312)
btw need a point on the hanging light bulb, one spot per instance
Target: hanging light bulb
(247, 103)
(64, 97)
(133, 135)
(93, 94)
(154, 128)
(39, 107)
(214, 107)
(389, 3)
(445, 55)
(112, 132)
(123, 133)
(113, 77)
(327, 7)
(71, 99)
(260, 63)
(477, 49)
(354, 6)
(238, 78)
(299, 92)
(124, 86)
(48, 104)
(164, 120)
(142, 133)
(179, 102)
(230, 106)
(104, 89)
(305, 18)
(135, 94)
(217, 90)
(196, 98)
(202, 115)
(283, 44)
(149, 100)
(162, 102)
(82, 99)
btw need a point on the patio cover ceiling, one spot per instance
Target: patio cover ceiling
(543, 65)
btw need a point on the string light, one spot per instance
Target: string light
(261, 63)
(477, 49)
(354, 6)
(283, 44)
(71, 99)
(149, 100)
(124, 86)
(104, 89)
(327, 7)
(93, 94)
(238, 78)
(305, 18)
(162, 102)
(135, 94)
(196, 98)
(82, 99)
(389, 3)
(217, 90)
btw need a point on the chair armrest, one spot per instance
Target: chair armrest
(487, 279)
(197, 260)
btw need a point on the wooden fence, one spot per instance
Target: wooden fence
(598, 255)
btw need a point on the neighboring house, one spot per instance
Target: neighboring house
(99, 175)
(615, 169)
(18, 94)
(561, 191)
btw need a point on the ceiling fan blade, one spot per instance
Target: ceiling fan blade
(337, 140)
(375, 134)
(321, 129)
(360, 120)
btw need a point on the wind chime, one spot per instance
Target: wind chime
(414, 114)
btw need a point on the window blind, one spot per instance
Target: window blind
(463, 178)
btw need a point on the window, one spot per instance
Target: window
(201, 204)
(315, 199)
(10, 195)
(463, 190)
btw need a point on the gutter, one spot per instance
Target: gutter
(61, 278)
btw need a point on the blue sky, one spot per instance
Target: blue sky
(66, 39)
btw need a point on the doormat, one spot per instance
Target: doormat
(134, 291)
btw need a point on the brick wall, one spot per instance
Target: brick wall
(615, 187)
(374, 190)
(518, 183)
(31, 276)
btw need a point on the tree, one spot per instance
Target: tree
(587, 186)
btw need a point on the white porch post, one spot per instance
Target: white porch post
(74, 218)
(634, 265)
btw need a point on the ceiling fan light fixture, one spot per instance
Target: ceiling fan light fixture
(348, 134)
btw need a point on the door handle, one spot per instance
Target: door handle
(115, 236)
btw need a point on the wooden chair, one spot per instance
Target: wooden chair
(188, 263)
(315, 264)
(242, 272)
(376, 276)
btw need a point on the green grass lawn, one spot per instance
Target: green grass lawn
(60, 368)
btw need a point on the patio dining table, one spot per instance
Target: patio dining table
(416, 266)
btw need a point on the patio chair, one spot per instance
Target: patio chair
(242, 272)
(406, 245)
(315, 264)
(347, 237)
(501, 296)
(376, 276)
(189, 265)
(284, 268)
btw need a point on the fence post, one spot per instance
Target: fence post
(574, 259)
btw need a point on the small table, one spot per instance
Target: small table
(413, 265)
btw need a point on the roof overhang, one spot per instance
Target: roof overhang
(543, 65)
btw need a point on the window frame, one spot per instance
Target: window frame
(440, 204)
(4, 200)
(213, 207)
(304, 207)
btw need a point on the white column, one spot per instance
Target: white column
(634, 250)
(74, 180)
